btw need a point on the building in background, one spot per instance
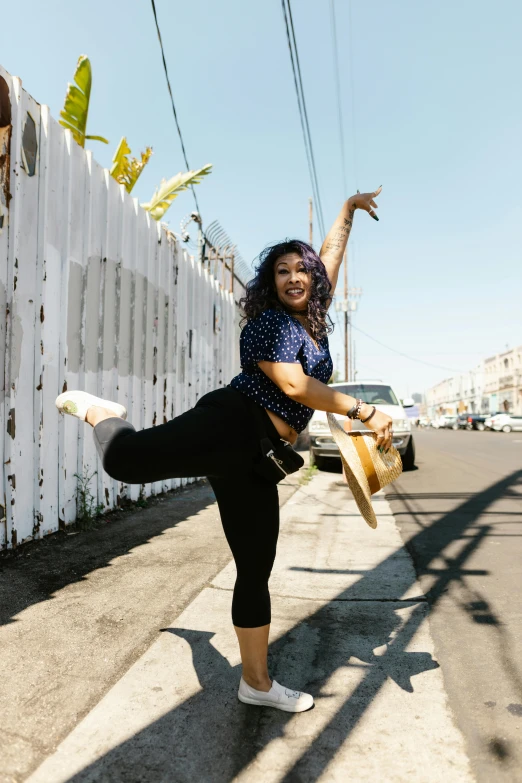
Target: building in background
(495, 385)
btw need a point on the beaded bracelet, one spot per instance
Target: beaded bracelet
(354, 412)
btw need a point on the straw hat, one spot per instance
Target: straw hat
(366, 469)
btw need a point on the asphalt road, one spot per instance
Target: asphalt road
(460, 514)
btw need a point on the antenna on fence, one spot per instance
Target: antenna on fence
(216, 250)
(222, 250)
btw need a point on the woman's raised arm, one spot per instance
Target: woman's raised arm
(334, 245)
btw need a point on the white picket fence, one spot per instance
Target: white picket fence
(93, 295)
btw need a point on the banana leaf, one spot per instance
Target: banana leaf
(127, 170)
(76, 106)
(169, 190)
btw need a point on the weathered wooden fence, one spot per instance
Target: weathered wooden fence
(93, 295)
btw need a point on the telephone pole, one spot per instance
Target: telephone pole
(348, 305)
(310, 219)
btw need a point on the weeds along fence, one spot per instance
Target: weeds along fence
(93, 295)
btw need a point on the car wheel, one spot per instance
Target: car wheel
(480, 427)
(506, 428)
(319, 462)
(408, 460)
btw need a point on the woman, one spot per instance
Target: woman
(286, 365)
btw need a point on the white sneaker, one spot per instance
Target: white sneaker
(278, 696)
(77, 403)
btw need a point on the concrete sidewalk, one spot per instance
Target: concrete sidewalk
(77, 610)
(349, 625)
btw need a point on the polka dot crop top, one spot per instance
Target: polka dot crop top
(276, 336)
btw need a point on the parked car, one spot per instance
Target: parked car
(506, 422)
(443, 421)
(450, 423)
(490, 420)
(322, 445)
(471, 421)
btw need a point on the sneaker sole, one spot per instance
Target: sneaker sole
(261, 703)
(109, 404)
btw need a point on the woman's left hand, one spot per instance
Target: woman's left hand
(366, 201)
(381, 424)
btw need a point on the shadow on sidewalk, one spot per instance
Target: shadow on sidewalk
(211, 737)
(38, 570)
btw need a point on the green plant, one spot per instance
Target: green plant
(76, 106)
(169, 190)
(307, 475)
(87, 510)
(124, 169)
(127, 170)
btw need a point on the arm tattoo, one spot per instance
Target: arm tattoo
(342, 232)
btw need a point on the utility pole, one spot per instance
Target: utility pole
(346, 337)
(348, 306)
(310, 220)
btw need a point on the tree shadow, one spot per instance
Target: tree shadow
(211, 737)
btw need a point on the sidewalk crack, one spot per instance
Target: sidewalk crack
(413, 600)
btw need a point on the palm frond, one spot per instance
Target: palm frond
(76, 105)
(169, 190)
(127, 170)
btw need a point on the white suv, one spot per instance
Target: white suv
(322, 445)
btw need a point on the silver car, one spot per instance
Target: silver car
(506, 422)
(377, 393)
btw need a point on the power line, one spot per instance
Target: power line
(315, 189)
(301, 103)
(338, 90)
(172, 100)
(319, 204)
(352, 91)
(405, 355)
(301, 117)
(320, 210)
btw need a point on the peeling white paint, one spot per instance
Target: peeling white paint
(93, 295)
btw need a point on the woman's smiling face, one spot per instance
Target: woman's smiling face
(293, 283)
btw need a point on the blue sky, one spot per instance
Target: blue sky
(437, 122)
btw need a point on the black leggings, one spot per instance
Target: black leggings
(217, 439)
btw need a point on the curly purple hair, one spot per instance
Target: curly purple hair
(261, 292)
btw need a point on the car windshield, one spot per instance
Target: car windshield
(374, 394)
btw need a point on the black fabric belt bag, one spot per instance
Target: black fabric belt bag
(276, 460)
